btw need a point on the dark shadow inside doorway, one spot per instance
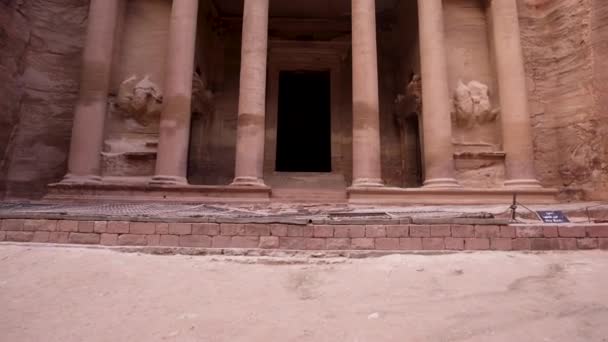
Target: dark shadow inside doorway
(304, 122)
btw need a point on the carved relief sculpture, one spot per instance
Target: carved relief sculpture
(411, 102)
(141, 101)
(414, 92)
(472, 105)
(202, 98)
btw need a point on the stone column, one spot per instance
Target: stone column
(174, 140)
(367, 170)
(84, 163)
(515, 115)
(249, 167)
(436, 105)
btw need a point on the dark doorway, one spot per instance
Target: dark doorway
(304, 122)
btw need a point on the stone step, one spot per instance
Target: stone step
(317, 195)
(321, 237)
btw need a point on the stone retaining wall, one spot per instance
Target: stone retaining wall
(309, 237)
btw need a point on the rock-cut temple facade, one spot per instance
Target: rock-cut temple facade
(360, 101)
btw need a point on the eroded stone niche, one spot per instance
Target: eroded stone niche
(136, 94)
(476, 128)
(215, 100)
(472, 83)
(407, 101)
(391, 37)
(136, 100)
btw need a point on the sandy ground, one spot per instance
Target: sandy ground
(73, 294)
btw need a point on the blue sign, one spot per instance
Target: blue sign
(555, 216)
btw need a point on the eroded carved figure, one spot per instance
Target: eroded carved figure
(140, 100)
(472, 105)
(411, 102)
(414, 92)
(202, 98)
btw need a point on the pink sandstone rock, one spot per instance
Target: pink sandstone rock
(41, 56)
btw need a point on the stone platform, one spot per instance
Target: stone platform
(244, 194)
(149, 193)
(302, 227)
(388, 195)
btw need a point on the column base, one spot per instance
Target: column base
(522, 183)
(368, 183)
(73, 179)
(249, 181)
(441, 183)
(168, 180)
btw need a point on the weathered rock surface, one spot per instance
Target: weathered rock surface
(565, 45)
(40, 46)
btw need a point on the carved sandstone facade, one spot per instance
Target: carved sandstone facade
(428, 101)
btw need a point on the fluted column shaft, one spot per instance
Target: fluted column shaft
(249, 164)
(174, 138)
(436, 107)
(367, 169)
(515, 114)
(84, 163)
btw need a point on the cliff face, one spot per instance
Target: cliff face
(599, 43)
(14, 38)
(566, 50)
(565, 46)
(40, 45)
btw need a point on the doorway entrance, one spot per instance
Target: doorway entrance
(304, 122)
